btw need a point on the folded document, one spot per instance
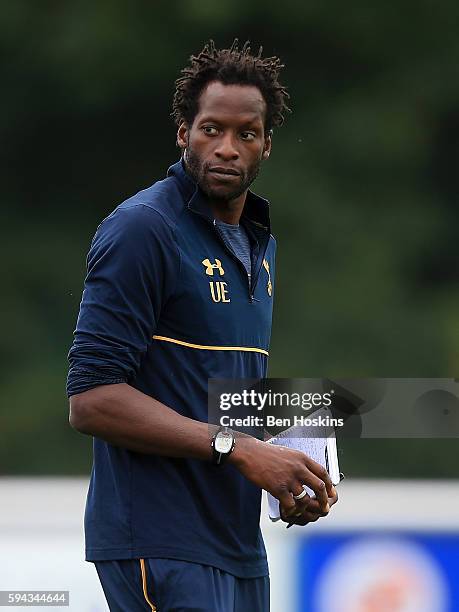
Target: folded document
(322, 450)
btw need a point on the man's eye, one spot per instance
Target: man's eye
(247, 135)
(209, 130)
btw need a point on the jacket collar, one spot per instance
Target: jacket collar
(256, 208)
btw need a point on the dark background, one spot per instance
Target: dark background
(363, 182)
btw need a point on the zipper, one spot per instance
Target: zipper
(251, 280)
(234, 256)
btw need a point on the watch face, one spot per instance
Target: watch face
(223, 442)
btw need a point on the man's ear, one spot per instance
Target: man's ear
(182, 135)
(268, 144)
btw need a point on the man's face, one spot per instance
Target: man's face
(226, 143)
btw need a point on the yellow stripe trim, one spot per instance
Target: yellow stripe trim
(247, 349)
(144, 585)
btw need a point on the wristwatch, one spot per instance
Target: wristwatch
(223, 443)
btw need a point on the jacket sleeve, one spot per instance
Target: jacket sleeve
(132, 269)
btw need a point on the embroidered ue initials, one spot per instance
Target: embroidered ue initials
(219, 292)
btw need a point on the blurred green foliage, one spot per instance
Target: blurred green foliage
(363, 181)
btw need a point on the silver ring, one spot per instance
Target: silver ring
(301, 495)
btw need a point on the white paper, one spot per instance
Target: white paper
(322, 450)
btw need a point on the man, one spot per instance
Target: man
(179, 290)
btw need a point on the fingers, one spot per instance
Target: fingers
(307, 510)
(306, 506)
(301, 505)
(298, 469)
(314, 506)
(287, 505)
(334, 498)
(321, 473)
(319, 488)
(290, 516)
(301, 518)
(291, 507)
(307, 517)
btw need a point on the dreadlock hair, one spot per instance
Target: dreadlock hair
(231, 67)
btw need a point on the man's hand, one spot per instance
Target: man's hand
(307, 510)
(282, 472)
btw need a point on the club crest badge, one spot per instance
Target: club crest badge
(269, 286)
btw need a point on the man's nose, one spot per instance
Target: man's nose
(226, 148)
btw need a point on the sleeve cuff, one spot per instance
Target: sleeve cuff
(80, 380)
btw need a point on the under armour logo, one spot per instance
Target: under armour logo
(210, 267)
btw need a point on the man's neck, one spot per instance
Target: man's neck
(228, 211)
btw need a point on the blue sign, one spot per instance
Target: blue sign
(378, 571)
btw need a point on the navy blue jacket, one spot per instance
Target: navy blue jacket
(166, 306)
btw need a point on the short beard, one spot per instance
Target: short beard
(198, 171)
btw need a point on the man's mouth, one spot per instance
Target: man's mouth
(220, 170)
